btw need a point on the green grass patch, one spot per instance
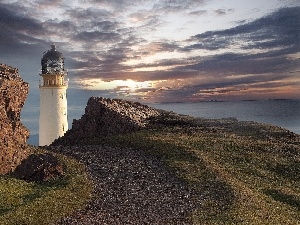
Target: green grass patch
(24, 202)
(244, 172)
(238, 166)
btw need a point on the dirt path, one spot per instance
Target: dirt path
(130, 188)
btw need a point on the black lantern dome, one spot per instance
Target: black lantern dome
(52, 62)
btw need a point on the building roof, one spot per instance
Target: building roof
(52, 59)
(52, 54)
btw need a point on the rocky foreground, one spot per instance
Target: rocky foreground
(225, 163)
(243, 164)
(131, 187)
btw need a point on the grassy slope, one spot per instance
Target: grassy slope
(33, 203)
(245, 173)
(250, 171)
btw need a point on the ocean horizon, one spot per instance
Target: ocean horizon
(284, 113)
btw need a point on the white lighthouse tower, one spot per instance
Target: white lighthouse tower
(53, 121)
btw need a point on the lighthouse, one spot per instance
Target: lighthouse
(53, 122)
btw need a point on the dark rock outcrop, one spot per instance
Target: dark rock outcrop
(13, 135)
(39, 167)
(104, 117)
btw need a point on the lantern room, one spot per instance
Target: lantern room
(53, 68)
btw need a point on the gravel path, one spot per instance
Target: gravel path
(130, 188)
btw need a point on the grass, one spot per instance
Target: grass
(24, 202)
(249, 172)
(245, 173)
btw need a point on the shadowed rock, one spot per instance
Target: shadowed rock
(39, 167)
(104, 117)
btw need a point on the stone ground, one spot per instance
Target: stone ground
(130, 188)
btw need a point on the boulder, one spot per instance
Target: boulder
(104, 117)
(39, 168)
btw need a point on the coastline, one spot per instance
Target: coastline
(185, 170)
(284, 113)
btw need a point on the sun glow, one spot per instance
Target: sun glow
(126, 85)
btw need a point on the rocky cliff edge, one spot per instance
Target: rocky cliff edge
(13, 134)
(104, 117)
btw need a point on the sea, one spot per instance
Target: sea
(284, 113)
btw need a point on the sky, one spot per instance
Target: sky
(156, 51)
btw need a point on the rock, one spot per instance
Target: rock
(39, 167)
(104, 117)
(13, 135)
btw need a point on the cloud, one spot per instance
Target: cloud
(10, 20)
(18, 26)
(222, 12)
(116, 40)
(198, 13)
(89, 15)
(46, 4)
(141, 16)
(97, 36)
(19, 34)
(65, 27)
(116, 4)
(177, 5)
(105, 25)
(244, 64)
(156, 47)
(262, 56)
(147, 41)
(277, 30)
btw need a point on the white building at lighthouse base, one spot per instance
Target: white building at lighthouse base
(53, 122)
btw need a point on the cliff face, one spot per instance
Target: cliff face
(104, 117)
(13, 135)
